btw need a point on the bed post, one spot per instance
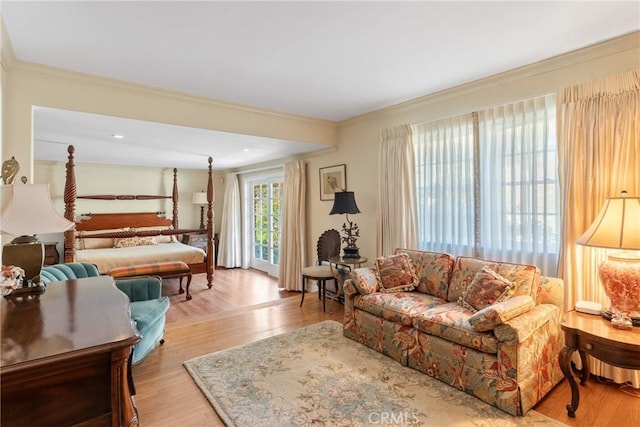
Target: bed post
(70, 193)
(174, 198)
(210, 199)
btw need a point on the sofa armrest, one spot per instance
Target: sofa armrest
(349, 289)
(499, 313)
(141, 289)
(518, 329)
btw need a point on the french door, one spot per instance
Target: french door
(264, 196)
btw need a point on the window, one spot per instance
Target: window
(487, 184)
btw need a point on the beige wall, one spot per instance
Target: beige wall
(356, 141)
(358, 138)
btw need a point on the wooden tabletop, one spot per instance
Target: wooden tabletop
(71, 316)
(601, 328)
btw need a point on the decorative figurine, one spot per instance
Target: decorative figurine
(10, 170)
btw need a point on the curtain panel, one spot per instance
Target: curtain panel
(599, 156)
(397, 214)
(294, 243)
(230, 245)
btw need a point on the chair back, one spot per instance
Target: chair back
(328, 245)
(71, 270)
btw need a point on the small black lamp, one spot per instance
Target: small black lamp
(345, 203)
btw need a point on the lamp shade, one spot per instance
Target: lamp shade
(616, 226)
(344, 203)
(30, 211)
(199, 198)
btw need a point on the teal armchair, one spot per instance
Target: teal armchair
(148, 309)
(147, 306)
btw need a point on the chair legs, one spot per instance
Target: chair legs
(322, 287)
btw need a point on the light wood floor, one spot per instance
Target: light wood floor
(245, 306)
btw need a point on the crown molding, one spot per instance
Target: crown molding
(49, 72)
(628, 42)
(7, 57)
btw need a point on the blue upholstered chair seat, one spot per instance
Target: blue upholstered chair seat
(147, 306)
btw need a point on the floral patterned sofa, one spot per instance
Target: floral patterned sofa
(503, 348)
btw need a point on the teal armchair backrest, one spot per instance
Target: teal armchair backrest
(71, 270)
(141, 288)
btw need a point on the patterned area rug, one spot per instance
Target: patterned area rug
(315, 376)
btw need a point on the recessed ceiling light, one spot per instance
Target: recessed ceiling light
(246, 149)
(117, 136)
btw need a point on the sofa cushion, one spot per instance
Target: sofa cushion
(486, 288)
(395, 273)
(450, 321)
(525, 277)
(398, 307)
(499, 313)
(433, 270)
(365, 280)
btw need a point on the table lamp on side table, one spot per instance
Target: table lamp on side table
(617, 226)
(200, 198)
(29, 212)
(345, 203)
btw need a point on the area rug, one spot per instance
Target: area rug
(316, 376)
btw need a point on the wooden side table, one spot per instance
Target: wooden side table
(51, 255)
(339, 275)
(594, 336)
(199, 240)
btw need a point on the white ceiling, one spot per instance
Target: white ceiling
(329, 60)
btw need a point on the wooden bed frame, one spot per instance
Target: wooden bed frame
(106, 221)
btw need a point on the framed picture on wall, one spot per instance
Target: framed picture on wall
(332, 179)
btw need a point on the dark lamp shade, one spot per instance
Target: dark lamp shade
(344, 203)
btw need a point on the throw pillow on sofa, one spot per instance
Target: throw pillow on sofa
(497, 314)
(365, 280)
(486, 289)
(395, 273)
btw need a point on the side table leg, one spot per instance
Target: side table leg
(565, 365)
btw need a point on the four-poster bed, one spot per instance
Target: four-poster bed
(112, 240)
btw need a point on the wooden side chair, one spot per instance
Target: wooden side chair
(328, 247)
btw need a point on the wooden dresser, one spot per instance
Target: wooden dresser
(65, 356)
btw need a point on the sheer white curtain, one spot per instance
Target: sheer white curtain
(487, 184)
(520, 201)
(445, 184)
(230, 245)
(397, 215)
(599, 153)
(293, 220)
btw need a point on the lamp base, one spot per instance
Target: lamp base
(353, 253)
(620, 276)
(26, 252)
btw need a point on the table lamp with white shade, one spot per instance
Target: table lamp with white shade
(200, 198)
(29, 211)
(617, 226)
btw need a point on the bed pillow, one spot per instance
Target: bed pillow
(395, 273)
(125, 242)
(486, 288)
(147, 241)
(160, 238)
(97, 242)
